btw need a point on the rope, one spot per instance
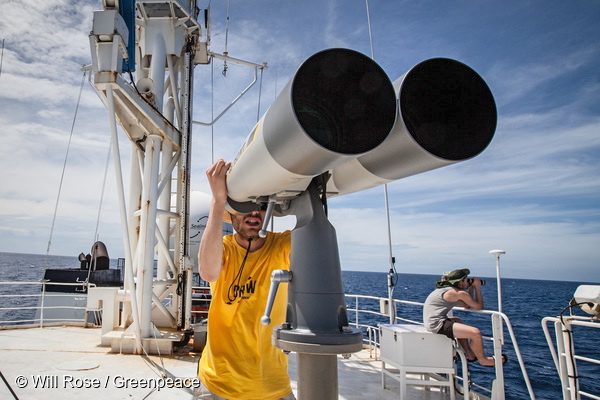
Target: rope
(226, 39)
(370, 32)
(212, 112)
(102, 191)
(95, 238)
(8, 386)
(259, 95)
(392, 274)
(2, 57)
(62, 176)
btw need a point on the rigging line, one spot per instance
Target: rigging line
(212, 112)
(225, 52)
(62, 176)
(228, 90)
(370, 32)
(102, 191)
(95, 261)
(8, 386)
(227, 26)
(2, 57)
(276, 78)
(259, 95)
(212, 97)
(392, 272)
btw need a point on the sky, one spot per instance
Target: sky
(534, 192)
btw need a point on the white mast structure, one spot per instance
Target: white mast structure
(161, 41)
(165, 41)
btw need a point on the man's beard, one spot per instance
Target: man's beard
(251, 236)
(246, 232)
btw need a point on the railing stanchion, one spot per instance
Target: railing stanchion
(42, 303)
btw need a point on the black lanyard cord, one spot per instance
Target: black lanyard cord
(236, 286)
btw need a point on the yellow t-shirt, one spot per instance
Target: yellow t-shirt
(239, 362)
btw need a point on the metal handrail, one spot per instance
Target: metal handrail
(496, 338)
(42, 295)
(562, 353)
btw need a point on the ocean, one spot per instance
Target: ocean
(525, 302)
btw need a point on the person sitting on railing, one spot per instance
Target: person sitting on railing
(456, 289)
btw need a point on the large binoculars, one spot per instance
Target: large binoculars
(340, 114)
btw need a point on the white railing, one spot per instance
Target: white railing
(361, 312)
(565, 359)
(360, 307)
(35, 296)
(42, 296)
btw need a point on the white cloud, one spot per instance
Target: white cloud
(435, 242)
(534, 192)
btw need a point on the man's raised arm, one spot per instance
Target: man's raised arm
(210, 254)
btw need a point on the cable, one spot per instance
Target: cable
(259, 95)
(2, 57)
(238, 277)
(102, 193)
(322, 182)
(393, 274)
(152, 106)
(369, 25)
(226, 39)
(569, 333)
(8, 386)
(212, 112)
(62, 176)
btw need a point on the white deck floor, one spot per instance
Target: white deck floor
(62, 361)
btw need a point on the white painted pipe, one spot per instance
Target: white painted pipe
(147, 232)
(157, 70)
(123, 211)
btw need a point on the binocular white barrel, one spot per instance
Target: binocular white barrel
(446, 114)
(339, 104)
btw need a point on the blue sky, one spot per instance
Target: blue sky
(534, 192)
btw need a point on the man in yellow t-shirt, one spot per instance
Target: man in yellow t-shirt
(239, 362)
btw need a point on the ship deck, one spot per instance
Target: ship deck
(68, 362)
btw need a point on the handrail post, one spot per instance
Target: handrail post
(42, 303)
(569, 357)
(498, 337)
(356, 312)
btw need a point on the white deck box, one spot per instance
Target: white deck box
(414, 346)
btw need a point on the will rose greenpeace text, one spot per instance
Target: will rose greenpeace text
(116, 381)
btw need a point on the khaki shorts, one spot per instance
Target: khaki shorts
(447, 328)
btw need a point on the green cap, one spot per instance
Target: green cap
(453, 277)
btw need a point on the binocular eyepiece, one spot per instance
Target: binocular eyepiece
(470, 280)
